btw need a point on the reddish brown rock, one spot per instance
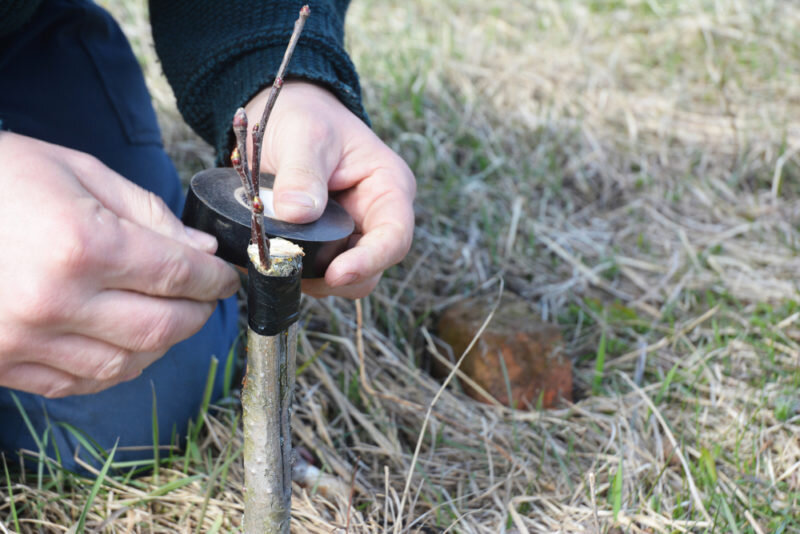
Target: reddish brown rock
(531, 350)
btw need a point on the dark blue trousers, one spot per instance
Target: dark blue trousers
(69, 77)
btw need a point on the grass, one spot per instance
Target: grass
(650, 152)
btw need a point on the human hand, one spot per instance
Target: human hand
(313, 145)
(97, 277)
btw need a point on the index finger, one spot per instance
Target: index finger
(142, 260)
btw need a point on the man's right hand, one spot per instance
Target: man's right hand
(97, 277)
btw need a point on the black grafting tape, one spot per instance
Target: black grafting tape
(216, 205)
(273, 302)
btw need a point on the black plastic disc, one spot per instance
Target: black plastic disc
(216, 205)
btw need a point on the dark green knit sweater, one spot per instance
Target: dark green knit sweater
(217, 55)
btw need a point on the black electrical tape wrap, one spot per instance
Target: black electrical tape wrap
(215, 204)
(273, 302)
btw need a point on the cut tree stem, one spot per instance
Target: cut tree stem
(267, 403)
(266, 400)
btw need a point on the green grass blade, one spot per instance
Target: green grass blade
(91, 446)
(229, 363)
(317, 354)
(212, 373)
(616, 491)
(599, 366)
(12, 502)
(98, 483)
(42, 451)
(211, 482)
(230, 454)
(216, 526)
(708, 463)
(175, 484)
(156, 442)
(726, 511)
(666, 384)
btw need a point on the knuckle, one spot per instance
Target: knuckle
(365, 289)
(86, 162)
(61, 388)
(178, 272)
(401, 249)
(394, 242)
(10, 343)
(301, 173)
(71, 252)
(158, 334)
(112, 367)
(410, 180)
(42, 304)
(158, 211)
(318, 132)
(84, 240)
(404, 178)
(95, 386)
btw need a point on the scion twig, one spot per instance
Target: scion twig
(236, 161)
(261, 126)
(257, 231)
(240, 131)
(257, 140)
(250, 174)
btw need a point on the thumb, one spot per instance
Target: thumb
(300, 192)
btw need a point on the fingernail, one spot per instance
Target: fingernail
(344, 280)
(203, 240)
(233, 286)
(295, 204)
(298, 198)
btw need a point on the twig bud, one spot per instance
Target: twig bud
(236, 161)
(240, 131)
(240, 119)
(258, 205)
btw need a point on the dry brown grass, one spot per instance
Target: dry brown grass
(631, 168)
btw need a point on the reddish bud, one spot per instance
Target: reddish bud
(236, 158)
(258, 205)
(255, 128)
(305, 11)
(240, 119)
(278, 82)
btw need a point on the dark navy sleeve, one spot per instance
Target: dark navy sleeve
(217, 55)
